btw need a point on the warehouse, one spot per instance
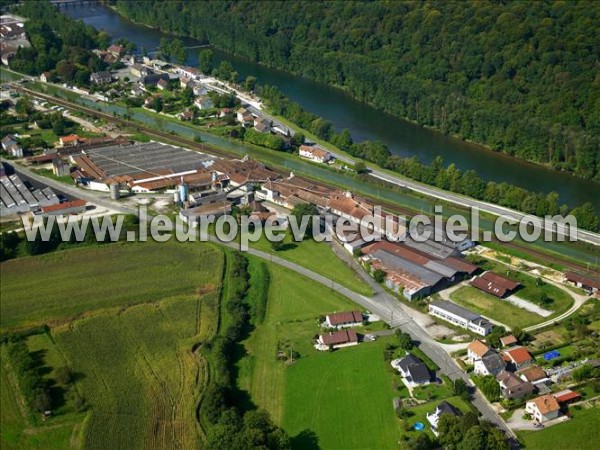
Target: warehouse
(494, 284)
(460, 316)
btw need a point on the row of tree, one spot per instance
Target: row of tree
(435, 174)
(230, 425)
(519, 77)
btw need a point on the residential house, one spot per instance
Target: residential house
(262, 124)
(344, 319)
(138, 70)
(15, 150)
(490, 364)
(338, 339)
(69, 140)
(204, 102)
(413, 370)
(116, 50)
(534, 374)
(199, 89)
(101, 77)
(441, 409)
(186, 115)
(508, 341)
(8, 140)
(543, 408)
(477, 350)
(152, 79)
(512, 386)
(45, 77)
(518, 357)
(244, 117)
(314, 153)
(162, 84)
(460, 316)
(224, 112)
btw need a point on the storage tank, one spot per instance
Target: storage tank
(183, 192)
(115, 191)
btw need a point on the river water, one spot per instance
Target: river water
(364, 122)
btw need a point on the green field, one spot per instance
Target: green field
(345, 397)
(318, 257)
(494, 308)
(582, 432)
(139, 377)
(57, 287)
(129, 346)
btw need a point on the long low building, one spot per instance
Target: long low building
(494, 284)
(17, 197)
(457, 315)
(587, 282)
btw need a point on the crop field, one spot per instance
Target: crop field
(494, 308)
(60, 286)
(345, 397)
(139, 375)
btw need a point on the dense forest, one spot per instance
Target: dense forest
(521, 77)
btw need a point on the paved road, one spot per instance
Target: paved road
(380, 303)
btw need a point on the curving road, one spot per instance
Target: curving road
(381, 303)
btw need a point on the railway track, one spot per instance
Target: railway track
(212, 150)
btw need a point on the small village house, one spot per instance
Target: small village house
(344, 319)
(314, 153)
(518, 357)
(338, 339)
(543, 408)
(441, 409)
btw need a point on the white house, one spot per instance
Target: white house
(314, 153)
(491, 364)
(460, 316)
(543, 408)
(337, 339)
(441, 409)
(204, 102)
(477, 350)
(414, 371)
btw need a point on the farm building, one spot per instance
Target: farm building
(338, 339)
(494, 284)
(66, 208)
(587, 282)
(344, 319)
(460, 316)
(566, 397)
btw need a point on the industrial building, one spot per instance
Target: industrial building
(460, 316)
(495, 284)
(17, 196)
(147, 167)
(414, 273)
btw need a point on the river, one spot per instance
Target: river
(364, 122)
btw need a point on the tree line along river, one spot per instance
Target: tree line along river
(363, 121)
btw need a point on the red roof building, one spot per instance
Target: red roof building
(494, 284)
(519, 356)
(347, 318)
(72, 207)
(566, 396)
(337, 339)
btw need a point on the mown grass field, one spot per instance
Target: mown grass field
(318, 257)
(344, 397)
(494, 308)
(582, 432)
(59, 286)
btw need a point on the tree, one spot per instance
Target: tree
(519, 334)
(177, 51)
(379, 275)
(404, 413)
(165, 48)
(404, 340)
(490, 388)
(460, 388)
(305, 210)
(250, 83)
(277, 245)
(205, 61)
(586, 217)
(360, 167)
(63, 375)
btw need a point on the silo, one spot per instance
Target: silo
(183, 192)
(115, 191)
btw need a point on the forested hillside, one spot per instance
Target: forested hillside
(521, 77)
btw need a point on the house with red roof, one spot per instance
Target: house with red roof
(518, 357)
(543, 408)
(337, 339)
(344, 319)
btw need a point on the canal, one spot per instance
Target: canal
(364, 122)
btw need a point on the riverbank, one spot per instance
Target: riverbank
(366, 123)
